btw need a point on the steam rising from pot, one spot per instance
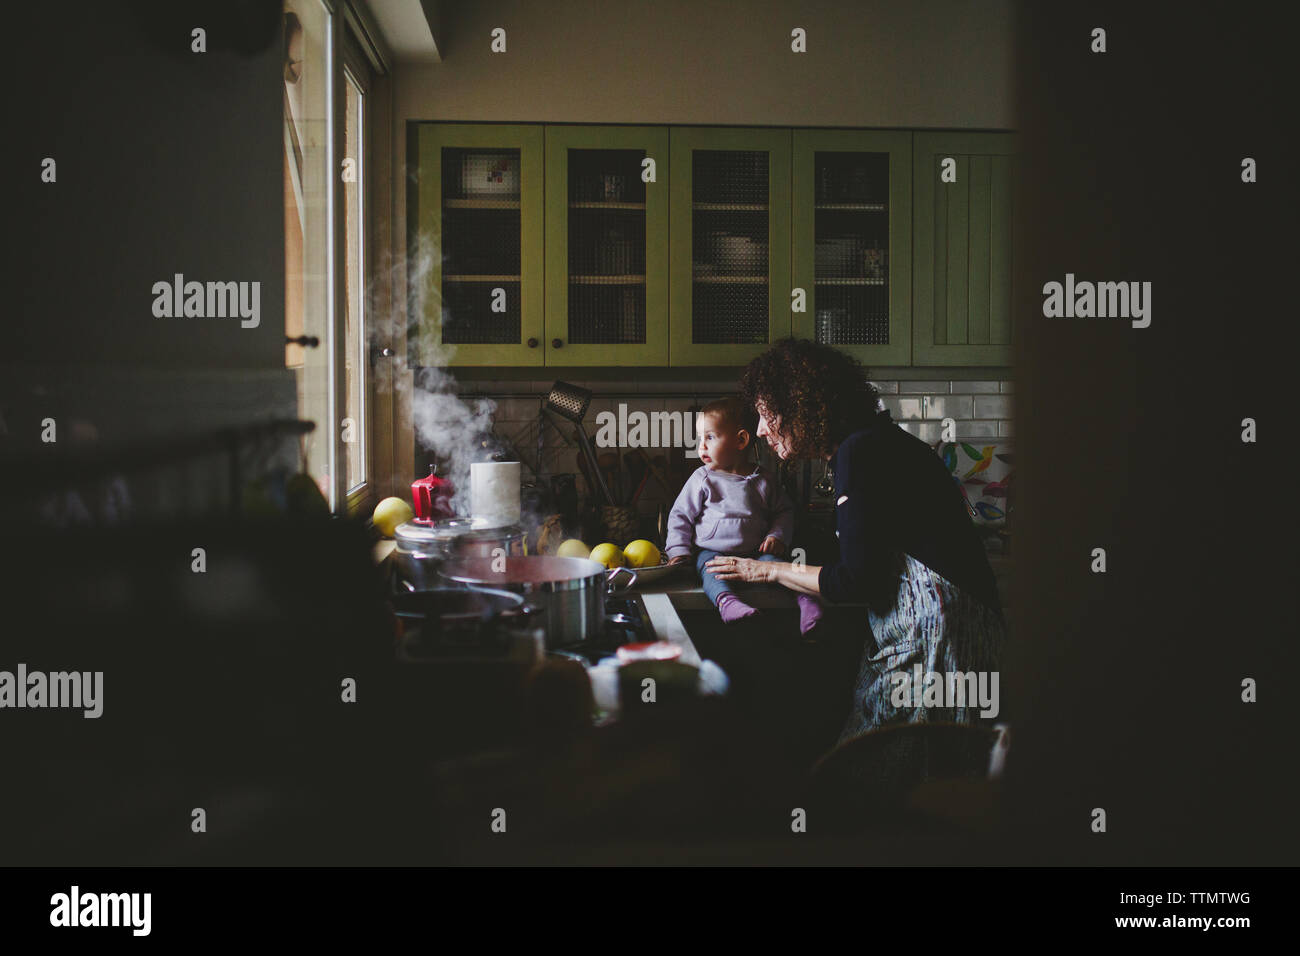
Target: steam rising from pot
(453, 432)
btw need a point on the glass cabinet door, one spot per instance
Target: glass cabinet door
(606, 245)
(852, 241)
(474, 264)
(730, 244)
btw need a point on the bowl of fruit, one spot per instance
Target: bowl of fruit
(641, 555)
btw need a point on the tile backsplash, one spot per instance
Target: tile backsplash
(980, 409)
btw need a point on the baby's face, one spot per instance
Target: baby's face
(720, 446)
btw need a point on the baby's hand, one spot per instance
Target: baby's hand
(679, 559)
(771, 545)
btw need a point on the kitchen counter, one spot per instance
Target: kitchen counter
(682, 591)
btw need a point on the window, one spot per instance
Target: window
(327, 78)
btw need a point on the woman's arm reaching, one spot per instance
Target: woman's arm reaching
(801, 578)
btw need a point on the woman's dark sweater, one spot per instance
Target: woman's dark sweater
(894, 496)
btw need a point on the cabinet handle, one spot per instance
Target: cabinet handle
(532, 343)
(557, 343)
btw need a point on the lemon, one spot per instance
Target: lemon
(573, 548)
(609, 555)
(641, 554)
(389, 513)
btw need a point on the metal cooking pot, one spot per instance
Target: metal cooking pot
(423, 546)
(570, 591)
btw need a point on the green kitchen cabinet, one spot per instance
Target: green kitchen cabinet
(852, 241)
(606, 245)
(962, 240)
(476, 258)
(729, 244)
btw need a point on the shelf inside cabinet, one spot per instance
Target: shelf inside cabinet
(483, 278)
(481, 203)
(853, 206)
(596, 204)
(607, 280)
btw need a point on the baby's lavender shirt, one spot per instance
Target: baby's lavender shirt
(729, 513)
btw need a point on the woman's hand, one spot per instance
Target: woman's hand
(728, 568)
(679, 559)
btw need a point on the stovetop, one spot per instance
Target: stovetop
(626, 622)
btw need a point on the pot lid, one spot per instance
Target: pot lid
(445, 530)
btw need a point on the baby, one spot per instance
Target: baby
(731, 506)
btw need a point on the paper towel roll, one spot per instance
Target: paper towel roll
(494, 491)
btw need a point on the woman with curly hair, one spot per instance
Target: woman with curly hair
(907, 546)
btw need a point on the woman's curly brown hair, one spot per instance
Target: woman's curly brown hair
(819, 394)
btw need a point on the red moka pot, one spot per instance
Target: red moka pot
(431, 496)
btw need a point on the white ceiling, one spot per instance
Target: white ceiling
(406, 29)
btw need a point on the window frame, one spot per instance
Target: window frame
(356, 70)
(364, 55)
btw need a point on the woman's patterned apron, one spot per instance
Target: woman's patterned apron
(941, 628)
